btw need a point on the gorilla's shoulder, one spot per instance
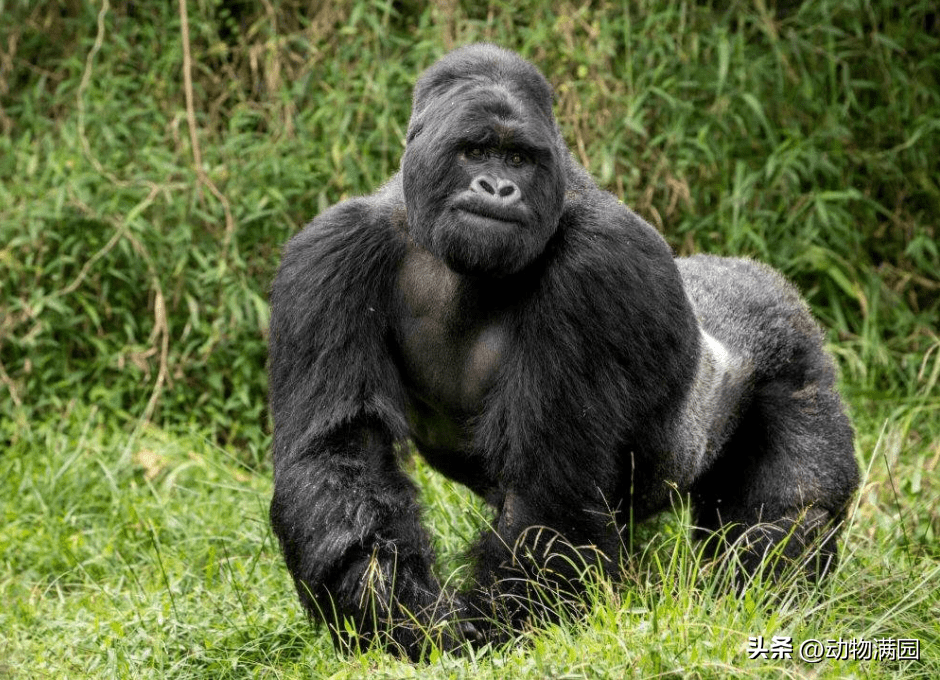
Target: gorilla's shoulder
(348, 252)
(607, 265)
(355, 232)
(599, 232)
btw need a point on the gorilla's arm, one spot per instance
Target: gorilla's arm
(600, 358)
(345, 514)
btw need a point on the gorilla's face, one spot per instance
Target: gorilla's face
(482, 174)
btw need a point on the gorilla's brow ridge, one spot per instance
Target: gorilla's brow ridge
(508, 134)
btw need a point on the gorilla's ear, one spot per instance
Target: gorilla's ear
(414, 130)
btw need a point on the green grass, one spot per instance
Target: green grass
(134, 470)
(149, 555)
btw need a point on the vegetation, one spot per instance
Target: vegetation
(150, 170)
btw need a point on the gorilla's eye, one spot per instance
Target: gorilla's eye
(516, 159)
(476, 153)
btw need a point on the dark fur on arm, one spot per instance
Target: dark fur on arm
(344, 513)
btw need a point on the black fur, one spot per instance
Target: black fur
(537, 342)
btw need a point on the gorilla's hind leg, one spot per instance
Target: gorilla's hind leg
(776, 496)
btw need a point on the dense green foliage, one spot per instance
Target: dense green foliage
(134, 268)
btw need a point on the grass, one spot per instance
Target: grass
(134, 470)
(149, 555)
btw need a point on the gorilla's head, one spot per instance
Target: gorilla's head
(483, 169)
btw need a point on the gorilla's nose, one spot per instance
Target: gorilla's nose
(505, 191)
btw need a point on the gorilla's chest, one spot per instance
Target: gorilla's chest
(450, 371)
(450, 341)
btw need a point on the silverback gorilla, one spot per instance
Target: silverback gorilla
(537, 342)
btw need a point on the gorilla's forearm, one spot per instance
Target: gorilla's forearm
(347, 521)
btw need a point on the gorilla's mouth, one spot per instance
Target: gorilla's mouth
(487, 214)
(487, 218)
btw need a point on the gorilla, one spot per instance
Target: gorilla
(539, 343)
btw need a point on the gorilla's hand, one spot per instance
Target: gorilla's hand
(397, 604)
